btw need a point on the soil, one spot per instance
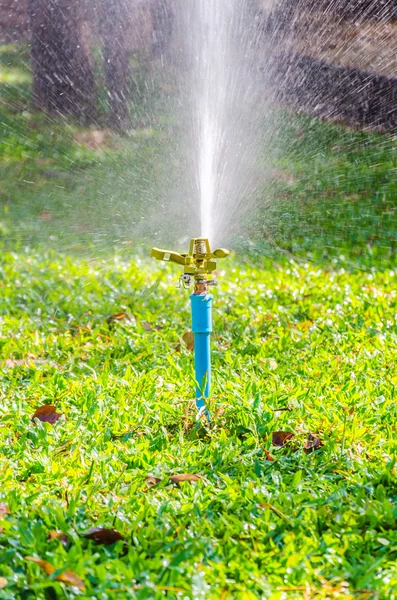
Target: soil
(337, 92)
(366, 45)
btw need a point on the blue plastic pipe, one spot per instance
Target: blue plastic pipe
(202, 329)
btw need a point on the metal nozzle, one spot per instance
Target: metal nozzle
(199, 264)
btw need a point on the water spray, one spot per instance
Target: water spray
(198, 269)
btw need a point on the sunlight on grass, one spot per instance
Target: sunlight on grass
(96, 385)
(14, 76)
(309, 353)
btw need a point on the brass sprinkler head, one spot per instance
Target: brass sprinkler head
(199, 264)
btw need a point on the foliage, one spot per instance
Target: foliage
(330, 191)
(335, 192)
(108, 487)
(296, 348)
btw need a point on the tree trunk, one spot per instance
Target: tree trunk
(63, 78)
(115, 26)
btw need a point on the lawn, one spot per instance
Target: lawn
(297, 348)
(92, 503)
(328, 190)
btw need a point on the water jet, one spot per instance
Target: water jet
(199, 266)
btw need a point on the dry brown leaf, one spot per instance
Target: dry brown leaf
(49, 569)
(116, 317)
(67, 577)
(148, 327)
(71, 579)
(269, 457)
(281, 438)
(46, 216)
(101, 535)
(188, 338)
(47, 414)
(151, 481)
(58, 535)
(313, 442)
(184, 477)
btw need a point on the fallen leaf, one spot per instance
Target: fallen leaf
(116, 317)
(103, 536)
(47, 414)
(49, 569)
(58, 535)
(152, 481)
(184, 477)
(66, 577)
(281, 438)
(3, 582)
(148, 327)
(188, 338)
(313, 443)
(46, 216)
(269, 457)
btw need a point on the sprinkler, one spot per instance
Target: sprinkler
(198, 268)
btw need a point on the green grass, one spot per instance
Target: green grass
(331, 190)
(338, 193)
(303, 345)
(63, 186)
(321, 343)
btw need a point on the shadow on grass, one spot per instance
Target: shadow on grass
(333, 190)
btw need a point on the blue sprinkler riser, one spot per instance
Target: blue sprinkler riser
(202, 329)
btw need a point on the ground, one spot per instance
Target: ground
(304, 343)
(366, 45)
(297, 348)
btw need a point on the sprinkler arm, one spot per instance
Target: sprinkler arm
(199, 263)
(168, 256)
